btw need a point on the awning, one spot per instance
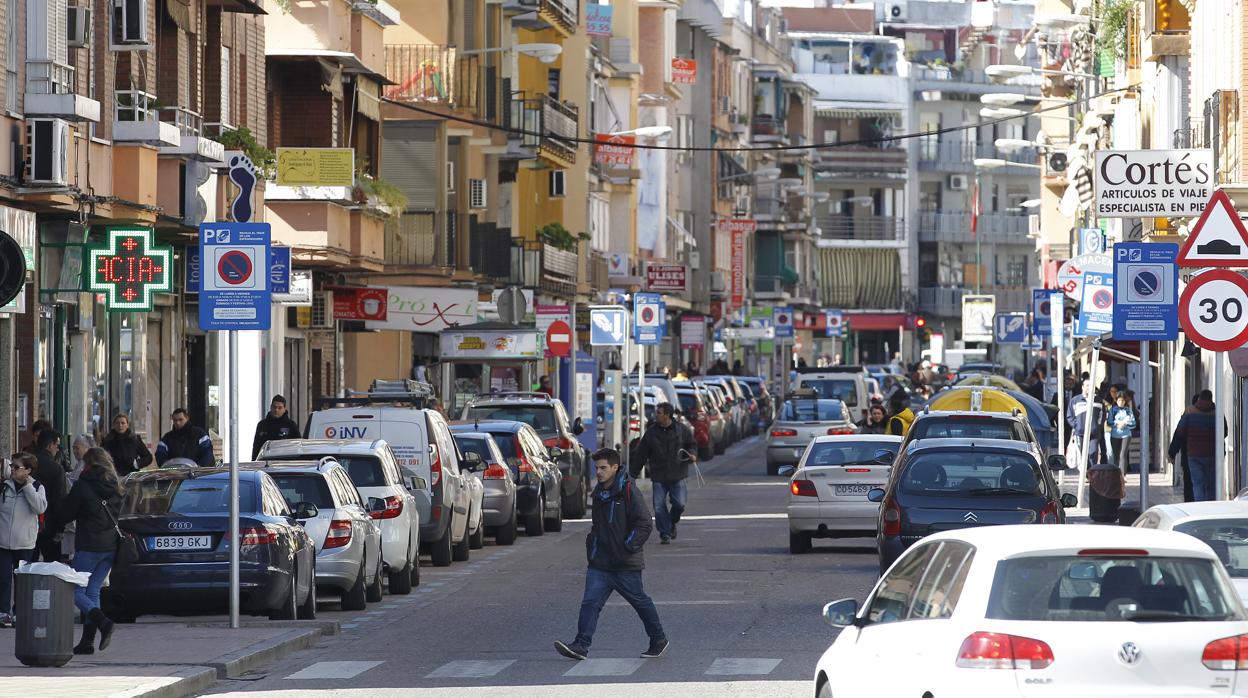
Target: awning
(859, 277)
(368, 98)
(349, 61)
(729, 166)
(855, 110)
(879, 321)
(680, 231)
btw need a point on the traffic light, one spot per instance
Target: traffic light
(920, 322)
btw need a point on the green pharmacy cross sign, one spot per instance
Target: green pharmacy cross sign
(128, 269)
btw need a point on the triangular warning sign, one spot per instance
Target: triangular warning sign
(1218, 239)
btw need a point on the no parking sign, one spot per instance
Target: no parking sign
(1096, 311)
(235, 293)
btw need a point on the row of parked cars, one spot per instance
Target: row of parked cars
(349, 512)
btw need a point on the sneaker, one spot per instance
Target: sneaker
(665, 540)
(572, 651)
(673, 530)
(656, 649)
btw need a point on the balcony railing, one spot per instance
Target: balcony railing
(763, 125)
(860, 158)
(543, 267)
(189, 123)
(959, 155)
(555, 121)
(49, 78)
(421, 73)
(487, 256)
(599, 272)
(1008, 228)
(836, 227)
(941, 301)
(135, 105)
(417, 239)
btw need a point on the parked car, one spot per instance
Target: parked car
(422, 443)
(1027, 611)
(802, 419)
(347, 538)
(658, 380)
(631, 401)
(845, 383)
(375, 472)
(730, 412)
(498, 503)
(1223, 526)
(180, 519)
(534, 467)
(548, 416)
(717, 424)
(766, 403)
(698, 412)
(945, 484)
(828, 490)
(743, 421)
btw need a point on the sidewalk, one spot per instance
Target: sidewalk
(1160, 491)
(160, 658)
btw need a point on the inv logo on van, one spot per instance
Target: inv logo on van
(345, 432)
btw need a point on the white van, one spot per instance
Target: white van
(845, 383)
(423, 446)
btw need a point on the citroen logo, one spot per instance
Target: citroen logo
(1129, 653)
(180, 525)
(970, 517)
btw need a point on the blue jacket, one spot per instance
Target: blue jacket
(622, 523)
(1121, 421)
(188, 442)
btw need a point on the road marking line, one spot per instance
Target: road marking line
(700, 602)
(709, 517)
(470, 669)
(605, 667)
(333, 670)
(724, 666)
(346, 626)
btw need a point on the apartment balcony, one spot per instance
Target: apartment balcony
(417, 239)
(326, 226)
(946, 301)
(771, 288)
(997, 228)
(434, 74)
(536, 15)
(842, 227)
(549, 129)
(136, 120)
(544, 268)
(599, 272)
(50, 92)
(486, 257)
(851, 161)
(977, 82)
(768, 129)
(195, 145)
(958, 156)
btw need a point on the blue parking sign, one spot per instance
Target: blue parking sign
(235, 291)
(1146, 285)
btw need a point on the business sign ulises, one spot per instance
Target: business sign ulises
(666, 277)
(1153, 183)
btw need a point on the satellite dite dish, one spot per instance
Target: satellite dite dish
(12, 269)
(512, 305)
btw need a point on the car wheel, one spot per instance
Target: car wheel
(440, 551)
(477, 540)
(799, 543)
(705, 453)
(401, 582)
(415, 570)
(307, 610)
(289, 610)
(355, 599)
(773, 468)
(555, 523)
(825, 690)
(373, 592)
(533, 522)
(576, 510)
(459, 553)
(506, 534)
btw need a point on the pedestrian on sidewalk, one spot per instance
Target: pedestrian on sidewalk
(666, 450)
(1122, 422)
(1196, 435)
(276, 426)
(185, 440)
(127, 450)
(22, 500)
(1076, 414)
(613, 548)
(82, 444)
(55, 481)
(93, 504)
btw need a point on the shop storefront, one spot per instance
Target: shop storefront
(487, 357)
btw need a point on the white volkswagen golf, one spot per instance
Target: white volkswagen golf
(1042, 611)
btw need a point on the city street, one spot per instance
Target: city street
(735, 604)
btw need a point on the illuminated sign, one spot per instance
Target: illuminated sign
(128, 269)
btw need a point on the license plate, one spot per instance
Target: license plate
(180, 543)
(852, 489)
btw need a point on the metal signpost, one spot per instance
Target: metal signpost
(235, 295)
(608, 327)
(1056, 339)
(649, 322)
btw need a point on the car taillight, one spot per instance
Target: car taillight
(803, 488)
(857, 470)
(892, 518)
(982, 650)
(1048, 515)
(339, 534)
(1227, 654)
(494, 472)
(256, 536)
(841, 431)
(394, 507)
(784, 432)
(435, 513)
(435, 468)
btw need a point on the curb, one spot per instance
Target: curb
(189, 681)
(236, 664)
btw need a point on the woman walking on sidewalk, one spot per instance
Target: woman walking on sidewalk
(92, 505)
(22, 500)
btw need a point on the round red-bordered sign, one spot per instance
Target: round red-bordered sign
(1219, 295)
(559, 338)
(234, 267)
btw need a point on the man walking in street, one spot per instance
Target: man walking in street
(50, 474)
(1078, 410)
(1196, 435)
(613, 548)
(185, 440)
(666, 450)
(276, 426)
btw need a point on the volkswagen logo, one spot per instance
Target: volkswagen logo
(1129, 653)
(970, 517)
(180, 526)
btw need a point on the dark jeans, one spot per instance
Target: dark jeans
(49, 548)
(678, 493)
(598, 587)
(1120, 447)
(9, 560)
(1203, 483)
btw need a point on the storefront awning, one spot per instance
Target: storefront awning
(681, 232)
(879, 321)
(857, 110)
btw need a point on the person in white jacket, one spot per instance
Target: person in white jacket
(22, 500)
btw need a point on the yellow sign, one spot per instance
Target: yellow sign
(471, 344)
(316, 167)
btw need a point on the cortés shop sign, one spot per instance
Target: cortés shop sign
(666, 277)
(1153, 183)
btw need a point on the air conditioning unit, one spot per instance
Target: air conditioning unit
(958, 182)
(896, 12)
(129, 23)
(717, 282)
(322, 311)
(78, 26)
(1057, 162)
(476, 193)
(47, 145)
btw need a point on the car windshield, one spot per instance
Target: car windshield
(1227, 537)
(475, 444)
(843, 389)
(300, 487)
(746, 389)
(848, 453)
(963, 473)
(365, 471)
(540, 417)
(962, 428)
(1111, 588)
(812, 410)
(688, 402)
(185, 496)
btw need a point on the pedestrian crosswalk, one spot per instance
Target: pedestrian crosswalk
(615, 667)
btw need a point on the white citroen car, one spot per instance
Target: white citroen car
(1223, 526)
(1042, 611)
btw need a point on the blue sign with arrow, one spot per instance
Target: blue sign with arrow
(608, 327)
(1009, 328)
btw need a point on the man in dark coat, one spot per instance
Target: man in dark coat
(1196, 436)
(276, 426)
(185, 440)
(51, 475)
(127, 450)
(666, 450)
(613, 549)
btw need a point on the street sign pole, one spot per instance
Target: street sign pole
(233, 453)
(1085, 451)
(1146, 384)
(1221, 476)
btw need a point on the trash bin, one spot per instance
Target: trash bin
(44, 606)
(1106, 489)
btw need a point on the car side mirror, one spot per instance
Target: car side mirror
(555, 452)
(472, 460)
(578, 427)
(841, 614)
(376, 505)
(306, 510)
(1069, 501)
(786, 470)
(884, 457)
(875, 494)
(1057, 462)
(416, 483)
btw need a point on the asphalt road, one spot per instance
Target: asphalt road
(742, 614)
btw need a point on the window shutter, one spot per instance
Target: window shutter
(411, 162)
(476, 193)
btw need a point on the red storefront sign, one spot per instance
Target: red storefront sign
(614, 151)
(351, 303)
(739, 229)
(684, 71)
(666, 277)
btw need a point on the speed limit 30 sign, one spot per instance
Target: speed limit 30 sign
(1213, 310)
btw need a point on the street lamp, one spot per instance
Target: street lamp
(1010, 145)
(997, 163)
(645, 132)
(1004, 72)
(1002, 99)
(546, 53)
